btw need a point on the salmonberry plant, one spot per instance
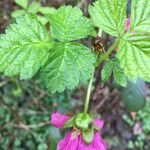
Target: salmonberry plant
(62, 62)
(34, 8)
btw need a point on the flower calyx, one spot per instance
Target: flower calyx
(83, 123)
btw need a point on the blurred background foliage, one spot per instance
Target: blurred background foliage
(25, 107)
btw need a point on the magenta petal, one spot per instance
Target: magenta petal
(83, 146)
(58, 119)
(62, 143)
(127, 24)
(99, 143)
(68, 143)
(96, 144)
(99, 123)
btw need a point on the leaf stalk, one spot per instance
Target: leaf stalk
(106, 55)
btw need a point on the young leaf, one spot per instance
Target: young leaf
(68, 24)
(110, 16)
(140, 16)
(18, 13)
(22, 3)
(47, 10)
(68, 64)
(106, 72)
(133, 96)
(34, 7)
(42, 19)
(24, 47)
(134, 55)
(119, 76)
(113, 65)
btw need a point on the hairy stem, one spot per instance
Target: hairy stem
(106, 55)
(86, 105)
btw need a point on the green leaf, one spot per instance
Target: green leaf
(88, 135)
(47, 10)
(18, 13)
(22, 3)
(133, 96)
(113, 65)
(134, 55)
(42, 19)
(106, 72)
(110, 16)
(68, 24)
(34, 7)
(119, 76)
(68, 64)
(42, 146)
(140, 16)
(24, 47)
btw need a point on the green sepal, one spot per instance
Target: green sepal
(83, 121)
(95, 115)
(96, 127)
(69, 123)
(88, 135)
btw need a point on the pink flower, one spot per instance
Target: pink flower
(58, 119)
(128, 24)
(73, 139)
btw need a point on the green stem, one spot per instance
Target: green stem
(106, 55)
(100, 59)
(86, 105)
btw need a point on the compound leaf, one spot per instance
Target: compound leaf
(68, 24)
(68, 64)
(24, 47)
(109, 15)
